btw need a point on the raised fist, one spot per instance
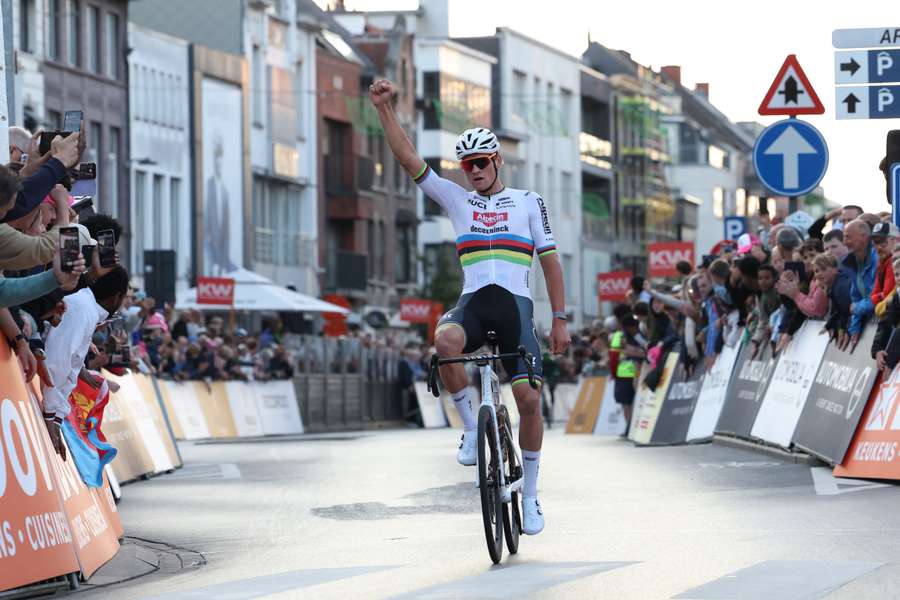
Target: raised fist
(381, 92)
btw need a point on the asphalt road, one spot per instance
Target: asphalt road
(390, 514)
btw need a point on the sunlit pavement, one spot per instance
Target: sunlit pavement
(390, 514)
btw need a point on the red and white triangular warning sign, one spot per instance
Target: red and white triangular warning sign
(791, 93)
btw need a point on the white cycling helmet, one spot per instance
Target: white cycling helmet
(476, 141)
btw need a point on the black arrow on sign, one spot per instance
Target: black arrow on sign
(851, 101)
(851, 66)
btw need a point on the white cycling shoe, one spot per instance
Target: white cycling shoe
(467, 449)
(533, 517)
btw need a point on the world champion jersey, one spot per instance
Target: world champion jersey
(496, 236)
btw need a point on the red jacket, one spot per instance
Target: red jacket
(884, 282)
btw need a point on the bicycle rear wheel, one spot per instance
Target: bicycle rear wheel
(512, 513)
(489, 484)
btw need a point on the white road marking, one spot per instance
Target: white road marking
(827, 484)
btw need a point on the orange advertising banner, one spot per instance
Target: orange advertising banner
(35, 536)
(663, 256)
(875, 449)
(94, 534)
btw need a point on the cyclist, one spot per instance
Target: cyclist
(498, 231)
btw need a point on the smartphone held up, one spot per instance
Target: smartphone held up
(69, 248)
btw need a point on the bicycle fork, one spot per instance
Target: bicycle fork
(490, 389)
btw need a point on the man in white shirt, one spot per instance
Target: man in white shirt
(68, 343)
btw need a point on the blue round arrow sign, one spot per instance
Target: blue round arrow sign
(790, 157)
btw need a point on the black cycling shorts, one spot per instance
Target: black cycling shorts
(493, 308)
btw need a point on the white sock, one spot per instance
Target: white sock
(464, 408)
(531, 460)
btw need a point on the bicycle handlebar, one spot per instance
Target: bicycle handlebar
(437, 361)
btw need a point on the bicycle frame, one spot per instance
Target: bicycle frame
(490, 397)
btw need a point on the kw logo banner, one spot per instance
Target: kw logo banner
(415, 310)
(215, 290)
(614, 286)
(873, 452)
(35, 535)
(664, 256)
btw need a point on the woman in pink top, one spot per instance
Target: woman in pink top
(814, 304)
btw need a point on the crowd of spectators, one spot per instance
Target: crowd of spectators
(761, 292)
(187, 345)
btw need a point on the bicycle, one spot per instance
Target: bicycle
(499, 464)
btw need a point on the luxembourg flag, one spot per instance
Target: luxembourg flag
(87, 444)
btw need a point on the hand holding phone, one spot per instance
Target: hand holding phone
(106, 242)
(69, 248)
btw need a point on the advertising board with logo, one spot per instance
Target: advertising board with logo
(712, 396)
(35, 535)
(746, 391)
(215, 290)
(663, 256)
(678, 407)
(789, 387)
(836, 400)
(614, 286)
(653, 401)
(415, 310)
(874, 450)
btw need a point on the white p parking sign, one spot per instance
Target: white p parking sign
(735, 227)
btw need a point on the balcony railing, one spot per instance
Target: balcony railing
(595, 151)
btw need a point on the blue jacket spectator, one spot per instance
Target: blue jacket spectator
(862, 262)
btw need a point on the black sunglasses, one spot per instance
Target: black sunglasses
(481, 162)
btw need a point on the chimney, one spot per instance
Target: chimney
(702, 89)
(672, 73)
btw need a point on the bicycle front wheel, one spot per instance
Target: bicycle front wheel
(489, 484)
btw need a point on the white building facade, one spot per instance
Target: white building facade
(159, 118)
(28, 18)
(279, 47)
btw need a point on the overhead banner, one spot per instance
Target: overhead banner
(837, 399)
(678, 406)
(653, 401)
(663, 256)
(614, 286)
(712, 396)
(746, 391)
(583, 417)
(611, 420)
(876, 445)
(790, 384)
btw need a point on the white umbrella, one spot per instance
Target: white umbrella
(253, 292)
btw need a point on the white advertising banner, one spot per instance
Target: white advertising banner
(611, 420)
(712, 395)
(143, 423)
(565, 396)
(276, 403)
(791, 381)
(187, 410)
(430, 407)
(242, 402)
